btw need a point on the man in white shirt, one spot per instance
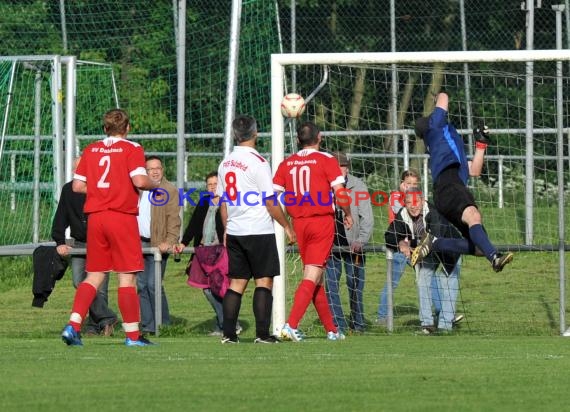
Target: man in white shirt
(159, 226)
(248, 207)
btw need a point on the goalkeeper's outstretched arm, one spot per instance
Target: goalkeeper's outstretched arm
(482, 139)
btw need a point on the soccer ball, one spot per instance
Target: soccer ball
(292, 105)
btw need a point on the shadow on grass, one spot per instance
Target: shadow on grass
(548, 310)
(182, 327)
(407, 309)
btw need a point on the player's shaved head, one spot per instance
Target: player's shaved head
(308, 134)
(244, 128)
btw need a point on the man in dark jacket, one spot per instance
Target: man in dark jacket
(70, 214)
(49, 267)
(404, 233)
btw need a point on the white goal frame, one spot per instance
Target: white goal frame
(280, 61)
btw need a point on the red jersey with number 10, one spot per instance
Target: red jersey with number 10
(306, 180)
(107, 167)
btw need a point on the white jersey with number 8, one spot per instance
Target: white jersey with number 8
(245, 182)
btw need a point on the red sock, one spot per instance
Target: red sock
(84, 296)
(323, 309)
(130, 311)
(303, 297)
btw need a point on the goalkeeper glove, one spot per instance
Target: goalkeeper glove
(481, 135)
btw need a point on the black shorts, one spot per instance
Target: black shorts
(451, 197)
(252, 256)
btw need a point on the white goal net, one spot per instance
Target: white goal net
(366, 106)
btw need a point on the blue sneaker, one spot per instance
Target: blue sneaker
(335, 336)
(292, 334)
(71, 337)
(142, 341)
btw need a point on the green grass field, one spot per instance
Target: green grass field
(506, 356)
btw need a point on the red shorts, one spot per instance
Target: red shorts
(113, 243)
(315, 237)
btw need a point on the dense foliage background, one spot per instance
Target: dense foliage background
(138, 38)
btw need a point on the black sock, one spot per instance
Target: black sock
(262, 306)
(231, 306)
(481, 240)
(453, 245)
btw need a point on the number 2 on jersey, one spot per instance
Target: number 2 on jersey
(105, 161)
(301, 179)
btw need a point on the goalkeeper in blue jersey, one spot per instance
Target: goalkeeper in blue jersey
(450, 172)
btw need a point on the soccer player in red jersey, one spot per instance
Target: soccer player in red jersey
(307, 180)
(111, 172)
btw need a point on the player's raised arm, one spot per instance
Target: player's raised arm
(442, 101)
(482, 138)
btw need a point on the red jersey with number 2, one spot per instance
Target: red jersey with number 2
(107, 167)
(306, 180)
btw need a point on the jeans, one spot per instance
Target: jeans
(100, 315)
(355, 277)
(399, 262)
(146, 288)
(425, 276)
(446, 291)
(216, 304)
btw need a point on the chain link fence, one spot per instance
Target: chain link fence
(137, 39)
(365, 26)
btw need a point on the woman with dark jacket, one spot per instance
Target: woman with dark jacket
(206, 229)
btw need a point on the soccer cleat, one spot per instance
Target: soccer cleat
(289, 333)
(423, 249)
(335, 336)
(500, 260)
(71, 337)
(141, 341)
(428, 330)
(233, 339)
(269, 339)
(457, 319)
(238, 329)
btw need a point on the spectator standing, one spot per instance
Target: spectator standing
(111, 172)
(159, 226)
(206, 228)
(351, 242)
(409, 178)
(308, 179)
(250, 234)
(403, 234)
(69, 214)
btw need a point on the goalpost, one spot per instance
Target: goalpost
(43, 98)
(368, 108)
